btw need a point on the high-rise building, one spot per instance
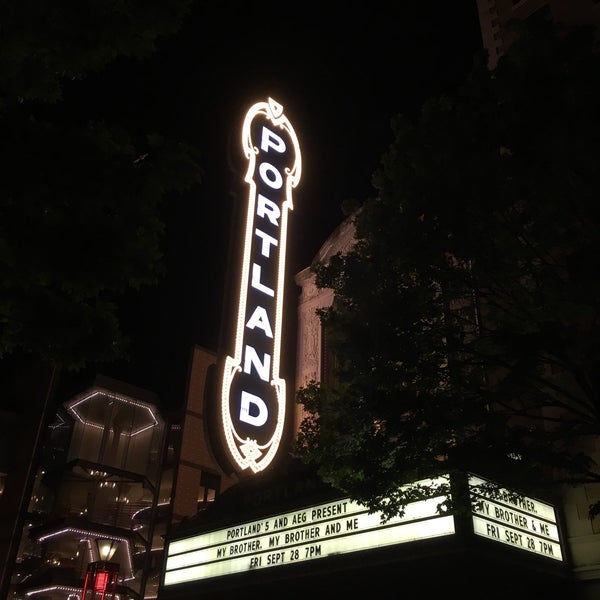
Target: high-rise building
(495, 16)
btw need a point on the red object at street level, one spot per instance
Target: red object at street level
(101, 577)
(101, 581)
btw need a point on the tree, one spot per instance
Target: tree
(80, 207)
(465, 322)
(80, 219)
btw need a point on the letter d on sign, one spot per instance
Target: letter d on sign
(247, 401)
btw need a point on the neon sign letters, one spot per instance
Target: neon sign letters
(253, 396)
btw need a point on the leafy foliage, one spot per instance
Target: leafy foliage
(80, 215)
(45, 44)
(465, 323)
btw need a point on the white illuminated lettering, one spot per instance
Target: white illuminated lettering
(256, 358)
(271, 140)
(248, 400)
(256, 284)
(251, 359)
(515, 520)
(267, 242)
(270, 175)
(304, 534)
(266, 208)
(345, 526)
(260, 319)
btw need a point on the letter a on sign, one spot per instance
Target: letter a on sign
(253, 394)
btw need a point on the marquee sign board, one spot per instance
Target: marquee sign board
(253, 394)
(520, 522)
(343, 526)
(307, 534)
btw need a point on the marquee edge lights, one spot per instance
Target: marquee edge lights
(247, 452)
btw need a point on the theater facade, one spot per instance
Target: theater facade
(267, 525)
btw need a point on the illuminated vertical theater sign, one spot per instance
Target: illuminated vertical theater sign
(253, 399)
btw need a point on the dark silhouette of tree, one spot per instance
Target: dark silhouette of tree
(81, 195)
(465, 323)
(81, 188)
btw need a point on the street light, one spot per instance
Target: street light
(101, 575)
(107, 548)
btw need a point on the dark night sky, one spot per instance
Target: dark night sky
(340, 76)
